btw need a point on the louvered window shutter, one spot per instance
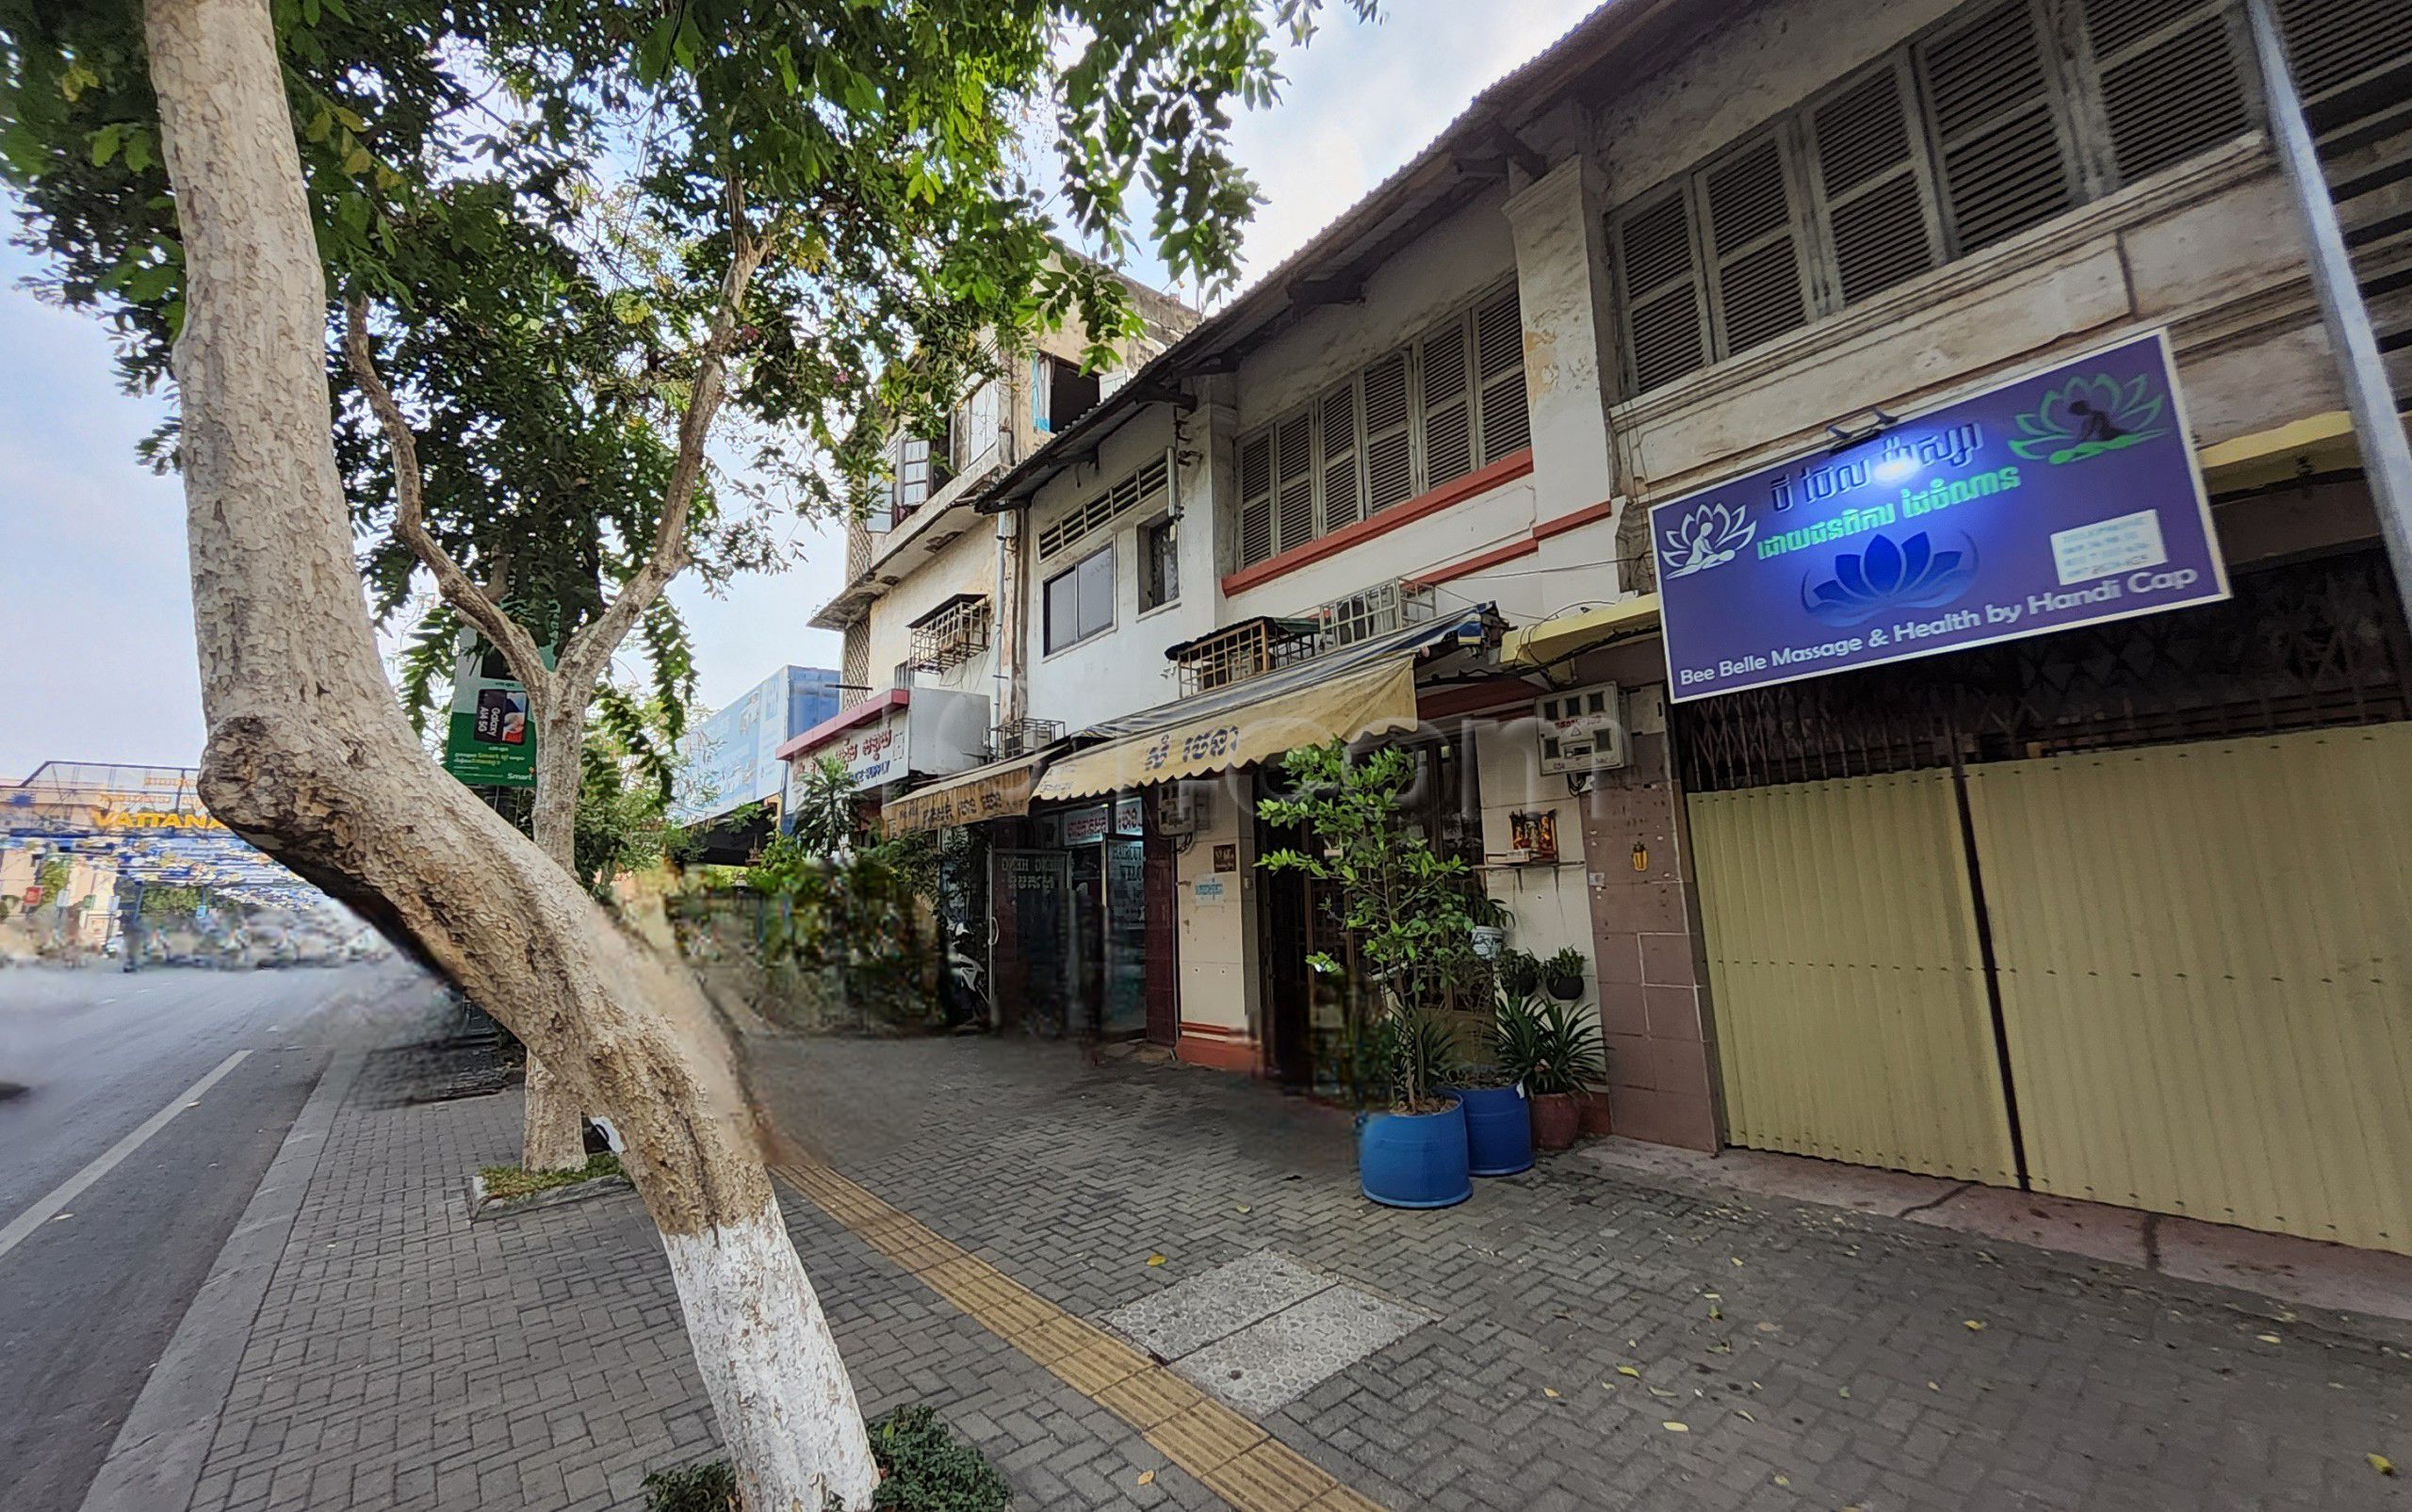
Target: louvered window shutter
(1665, 326)
(1294, 498)
(2172, 82)
(2002, 164)
(1448, 403)
(1256, 499)
(2333, 43)
(1389, 471)
(1872, 176)
(1336, 445)
(1756, 290)
(1499, 358)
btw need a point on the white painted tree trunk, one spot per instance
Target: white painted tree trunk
(309, 759)
(769, 1363)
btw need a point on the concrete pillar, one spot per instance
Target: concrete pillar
(1561, 277)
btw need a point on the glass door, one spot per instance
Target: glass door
(1126, 936)
(1031, 959)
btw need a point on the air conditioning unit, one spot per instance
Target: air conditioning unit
(1183, 807)
(1582, 730)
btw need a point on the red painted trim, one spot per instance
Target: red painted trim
(1482, 480)
(1575, 521)
(1216, 1054)
(844, 720)
(1478, 561)
(1501, 693)
(1219, 1031)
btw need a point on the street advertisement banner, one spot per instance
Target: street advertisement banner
(2066, 497)
(490, 741)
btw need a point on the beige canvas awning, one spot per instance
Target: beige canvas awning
(998, 790)
(1374, 700)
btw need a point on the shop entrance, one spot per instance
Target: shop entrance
(2115, 914)
(1072, 924)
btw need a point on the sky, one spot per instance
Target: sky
(96, 646)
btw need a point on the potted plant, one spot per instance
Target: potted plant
(1499, 1116)
(1414, 1153)
(1405, 912)
(1519, 975)
(1555, 1048)
(1562, 975)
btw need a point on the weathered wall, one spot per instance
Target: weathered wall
(967, 564)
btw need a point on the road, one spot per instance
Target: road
(90, 1296)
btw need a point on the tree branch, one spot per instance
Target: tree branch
(480, 607)
(582, 661)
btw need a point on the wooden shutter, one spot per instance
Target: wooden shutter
(1256, 497)
(1658, 285)
(1755, 289)
(1390, 470)
(2003, 164)
(1448, 402)
(2172, 82)
(2333, 43)
(1295, 501)
(1336, 446)
(1872, 178)
(1499, 365)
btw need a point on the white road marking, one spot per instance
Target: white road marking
(55, 1205)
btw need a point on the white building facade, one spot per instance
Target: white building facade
(1401, 488)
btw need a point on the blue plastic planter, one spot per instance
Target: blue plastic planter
(1499, 1129)
(1414, 1160)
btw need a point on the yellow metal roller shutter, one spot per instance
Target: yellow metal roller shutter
(2206, 963)
(1847, 983)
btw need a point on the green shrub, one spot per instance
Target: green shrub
(710, 1486)
(923, 1468)
(506, 1181)
(929, 1471)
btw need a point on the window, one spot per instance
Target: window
(1060, 393)
(1080, 600)
(1159, 564)
(921, 464)
(1415, 419)
(1978, 129)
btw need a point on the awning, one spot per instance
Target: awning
(1378, 699)
(1555, 638)
(1001, 790)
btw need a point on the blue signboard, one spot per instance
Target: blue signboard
(2066, 497)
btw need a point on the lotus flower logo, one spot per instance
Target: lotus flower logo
(2087, 417)
(1882, 575)
(1709, 536)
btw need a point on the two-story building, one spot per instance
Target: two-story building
(1976, 337)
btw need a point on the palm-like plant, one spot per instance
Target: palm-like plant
(1549, 1047)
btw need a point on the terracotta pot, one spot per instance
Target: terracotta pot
(1557, 1117)
(1595, 1113)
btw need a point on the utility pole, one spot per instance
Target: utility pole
(2386, 456)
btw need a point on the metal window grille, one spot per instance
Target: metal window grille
(2302, 646)
(1019, 738)
(950, 635)
(1377, 611)
(1238, 652)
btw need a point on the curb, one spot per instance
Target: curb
(156, 1459)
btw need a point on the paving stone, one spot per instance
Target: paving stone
(1195, 1312)
(1279, 1359)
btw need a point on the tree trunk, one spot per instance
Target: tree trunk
(553, 1138)
(309, 759)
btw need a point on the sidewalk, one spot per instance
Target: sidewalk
(1526, 1350)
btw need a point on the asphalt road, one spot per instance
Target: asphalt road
(89, 1297)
